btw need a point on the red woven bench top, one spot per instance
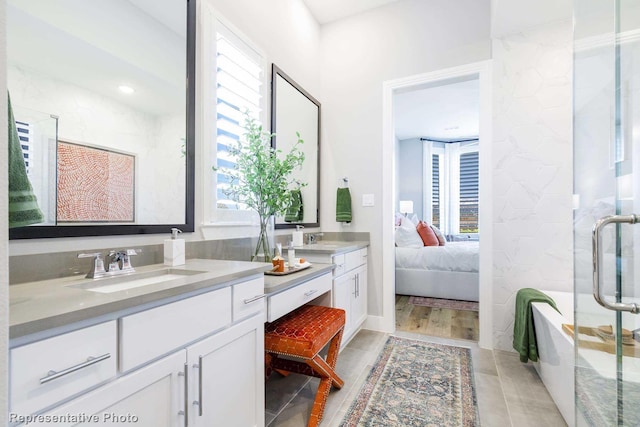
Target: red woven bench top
(304, 331)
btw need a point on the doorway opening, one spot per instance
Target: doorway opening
(444, 196)
(436, 128)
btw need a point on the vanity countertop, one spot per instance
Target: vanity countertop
(52, 305)
(331, 247)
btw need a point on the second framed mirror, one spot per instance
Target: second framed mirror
(293, 109)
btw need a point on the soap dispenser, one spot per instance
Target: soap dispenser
(298, 236)
(174, 249)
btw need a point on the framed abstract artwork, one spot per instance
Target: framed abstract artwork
(94, 184)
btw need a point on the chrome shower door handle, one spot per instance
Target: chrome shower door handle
(595, 245)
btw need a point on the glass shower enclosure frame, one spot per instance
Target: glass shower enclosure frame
(606, 132)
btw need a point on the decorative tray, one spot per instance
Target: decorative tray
(632, 349)
(289, 270)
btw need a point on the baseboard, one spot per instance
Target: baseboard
(377, 323)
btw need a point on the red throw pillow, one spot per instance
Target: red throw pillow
(427, 235)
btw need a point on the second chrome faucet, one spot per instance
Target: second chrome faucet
(119, 263)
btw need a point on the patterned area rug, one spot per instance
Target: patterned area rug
(416, 383)
(445, 303)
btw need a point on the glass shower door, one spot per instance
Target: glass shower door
(607, 211)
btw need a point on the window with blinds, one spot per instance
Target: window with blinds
(238, 74)
(435, 190)
(469, 192)
(24, 135)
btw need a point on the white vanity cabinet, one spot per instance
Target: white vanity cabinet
(197, 361)
(151, 396)
(226, 379)
(349, 286)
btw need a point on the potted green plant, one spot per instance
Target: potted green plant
(262, 178)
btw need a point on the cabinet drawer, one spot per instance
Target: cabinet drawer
(248, 298)
(339, 261)
(282, 303)
(51, 370)
(355, 259)
(152, 333)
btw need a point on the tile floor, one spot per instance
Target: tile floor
(509, 393)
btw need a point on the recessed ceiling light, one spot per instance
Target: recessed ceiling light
(128, 90)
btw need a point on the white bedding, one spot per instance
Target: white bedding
(454, 256)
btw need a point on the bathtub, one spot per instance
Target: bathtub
(555, 348)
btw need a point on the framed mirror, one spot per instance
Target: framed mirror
(103, 95)
(293, 110)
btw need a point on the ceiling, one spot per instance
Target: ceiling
(511, 16)
(326, 11)
(449, 111)
(507, 16)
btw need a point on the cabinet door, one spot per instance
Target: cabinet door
(152, 396)
(227, 377)
(344, 291)
(359, 302)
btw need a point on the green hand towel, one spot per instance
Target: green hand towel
(524, 334)
(343, 205)
(23, 205)
(296, 211)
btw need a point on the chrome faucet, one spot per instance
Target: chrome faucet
(313, 238)
(97, 269)
(119, 263)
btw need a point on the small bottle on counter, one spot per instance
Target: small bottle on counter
(291, 255)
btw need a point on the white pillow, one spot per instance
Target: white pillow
(414, 219)
(407, 236)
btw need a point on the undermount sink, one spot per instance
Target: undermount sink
(136, 280)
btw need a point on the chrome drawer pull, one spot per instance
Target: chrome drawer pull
(256, 298)
(308, 294)
(199, 402)
(53, 375)
(185, 410)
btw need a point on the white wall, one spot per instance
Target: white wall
(410, 174)
(360, 53)
(4, 230)
(290, 37)
(532, 159)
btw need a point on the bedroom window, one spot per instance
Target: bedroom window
(468, 207)
(435, 190)
(454, 188)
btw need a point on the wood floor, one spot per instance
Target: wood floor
(437, 322)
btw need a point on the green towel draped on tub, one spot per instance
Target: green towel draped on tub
(524, 334)
(343, 205)
(23, 205)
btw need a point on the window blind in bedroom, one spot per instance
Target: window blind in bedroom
(435, 190)
(469, 192)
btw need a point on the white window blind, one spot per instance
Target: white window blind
(435, 189)
(24, 135)
(238, 75)
(455, 188)
(469, 192)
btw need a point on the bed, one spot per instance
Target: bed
(449, 271)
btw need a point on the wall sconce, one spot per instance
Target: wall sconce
(406, 207)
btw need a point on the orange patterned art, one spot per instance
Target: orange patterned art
(94, 184)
